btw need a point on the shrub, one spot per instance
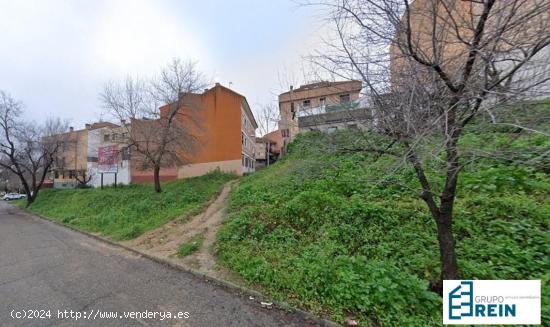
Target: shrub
(324, 231)
(192, 246)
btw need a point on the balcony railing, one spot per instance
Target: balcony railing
(324, 109)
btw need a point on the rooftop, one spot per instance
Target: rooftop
(322, 84)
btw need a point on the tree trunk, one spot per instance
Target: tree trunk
(156, 175)
(31, 196)
(35, 193)
(28, 192)
(449, 266)
(443, 215)
(444, 218)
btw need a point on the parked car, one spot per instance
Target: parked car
(13, 196)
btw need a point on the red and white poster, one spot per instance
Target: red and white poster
(107, 159)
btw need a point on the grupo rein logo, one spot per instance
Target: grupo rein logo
(491, 302)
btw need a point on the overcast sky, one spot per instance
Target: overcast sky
(56, 55)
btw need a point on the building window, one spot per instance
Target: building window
(332, 129)
(125, 153)
(306, 103)
(292, 107)
(246, 161)
(352, 126)
(322, 101)
(344, 98)
(106, 138)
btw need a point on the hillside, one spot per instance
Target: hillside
(128, 211)
(345, 235)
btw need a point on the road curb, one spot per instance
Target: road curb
(220, 282)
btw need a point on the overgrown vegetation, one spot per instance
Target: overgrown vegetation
(192, 246)
(128, 211)
(346, 235)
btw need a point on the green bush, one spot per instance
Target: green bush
(345, 234)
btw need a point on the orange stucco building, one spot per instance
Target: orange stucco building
(225, 133)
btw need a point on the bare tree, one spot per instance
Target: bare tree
(83, 178)
(159, 137)
(432, 67)
(8, 180)
(267, 117)
(28, 150)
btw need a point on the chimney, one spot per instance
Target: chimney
(71, 129)
(88, 126)
(123, 122)
(217, 84)
(291, 87)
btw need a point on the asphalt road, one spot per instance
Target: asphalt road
(47, 267)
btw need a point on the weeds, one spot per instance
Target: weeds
(192, 246)
(125, 213)
(324, 231)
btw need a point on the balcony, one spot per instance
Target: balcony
(356, 113)
(325, 109)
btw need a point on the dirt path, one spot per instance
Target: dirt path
(164, 241)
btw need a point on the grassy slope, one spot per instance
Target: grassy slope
(322, 231)
(127, 212)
